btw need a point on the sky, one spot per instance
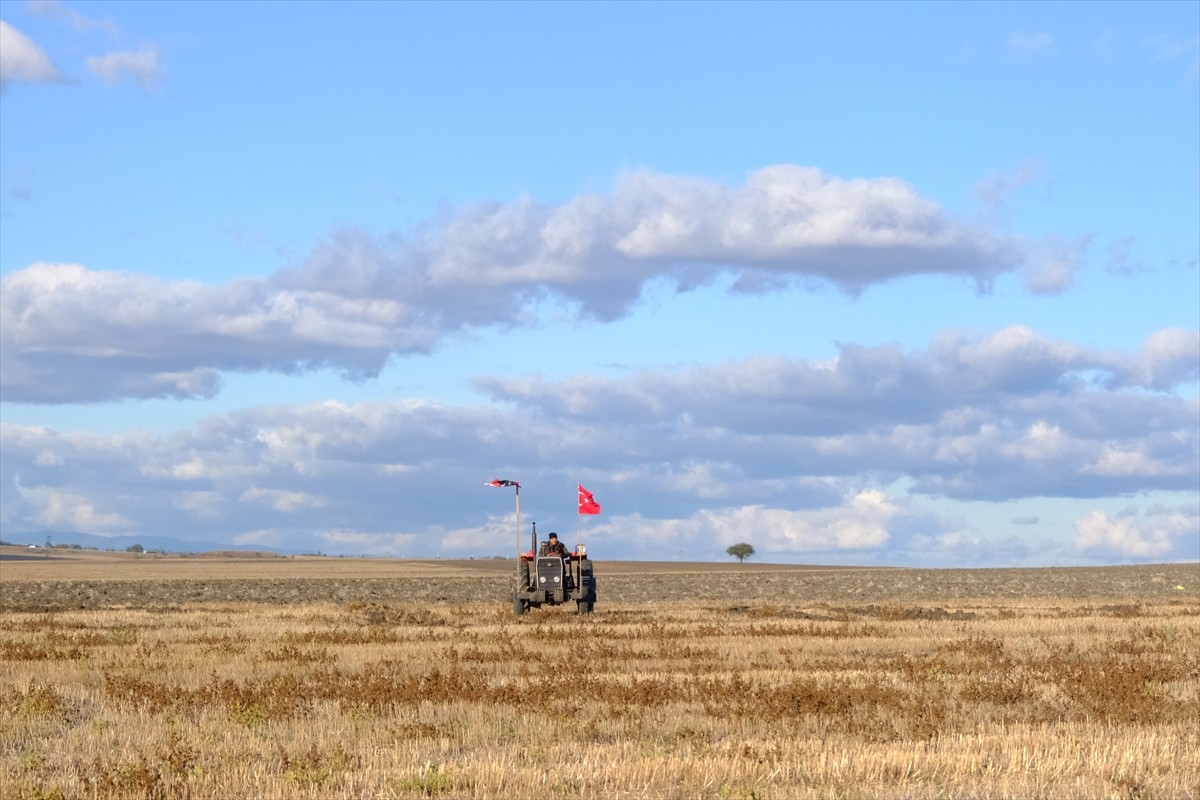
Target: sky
(896, 284)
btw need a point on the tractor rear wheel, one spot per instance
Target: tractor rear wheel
(583, 606)
(520, 606)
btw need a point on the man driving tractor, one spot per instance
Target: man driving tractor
(553, 547)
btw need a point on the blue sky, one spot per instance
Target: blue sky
(910, 284)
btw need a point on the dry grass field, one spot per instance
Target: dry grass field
(219, 677)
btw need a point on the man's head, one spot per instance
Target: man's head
(553, 536)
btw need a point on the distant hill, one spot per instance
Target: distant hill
(167, 544)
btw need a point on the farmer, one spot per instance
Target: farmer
(553, 547)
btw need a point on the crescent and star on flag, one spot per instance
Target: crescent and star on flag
(587, 503)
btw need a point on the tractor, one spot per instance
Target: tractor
(551, 580)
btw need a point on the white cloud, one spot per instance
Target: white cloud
(1119, 461)
(203, 505)
(22, 61)
(70, 334)
(1039, 442)
(1167, 358)
(997, 416)
(958, 368)
(860, 522)
(261, 537)
(197, 468)
(790, 449)
(1156, 534)
(80, 22)
(142, 66)
(282, 500)
(57, 508)
(1059, 265)
(493, 538)
(792, 218)
(48, 458)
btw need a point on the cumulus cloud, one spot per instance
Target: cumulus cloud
(282, 500)
(959, 368)
(141, 66)
(1167, 358)
(797, 454)
(65, 328)
(1158, 533)
(22, 61)
(57, 508)
(859, 521)
(80, 22)
(70, 334)
(1059, 264)
(993, 416)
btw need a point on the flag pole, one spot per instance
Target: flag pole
(516, 486)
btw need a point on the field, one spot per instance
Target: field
(234, 676)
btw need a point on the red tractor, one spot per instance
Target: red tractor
(554, 580)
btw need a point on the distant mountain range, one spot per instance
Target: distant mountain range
(166, 544)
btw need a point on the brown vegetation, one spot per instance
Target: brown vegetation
(727, 694)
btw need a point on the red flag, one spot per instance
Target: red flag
(587, 503)
(498, 482)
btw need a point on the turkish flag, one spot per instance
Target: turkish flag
(587, 503)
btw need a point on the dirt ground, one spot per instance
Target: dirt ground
(55, 580)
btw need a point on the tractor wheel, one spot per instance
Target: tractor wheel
(583, 606)
(520, 606)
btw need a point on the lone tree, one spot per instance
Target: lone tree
(741, 551)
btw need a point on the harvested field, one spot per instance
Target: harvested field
(90, 579)
(209, 678)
